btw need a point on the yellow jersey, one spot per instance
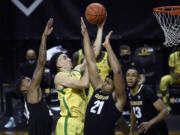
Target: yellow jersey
(80, 57)
(174, 61)
(103, 70)
(103, 66)
(73, 102)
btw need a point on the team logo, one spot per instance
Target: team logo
(26, 10)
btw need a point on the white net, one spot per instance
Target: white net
(170, 25)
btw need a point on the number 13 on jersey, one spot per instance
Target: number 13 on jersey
(98, 105)
(137, 112)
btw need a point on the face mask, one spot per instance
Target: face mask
(126, 57)
(31, 61)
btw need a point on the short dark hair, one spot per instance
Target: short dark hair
(134, 68)
(53, 62)
(124, 47)
(18, 85)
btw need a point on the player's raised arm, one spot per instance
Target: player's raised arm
(116, 67)
(90, 58)
(98, 41)
(96, 47)
(37, 75)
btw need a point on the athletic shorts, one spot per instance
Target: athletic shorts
(69, 126)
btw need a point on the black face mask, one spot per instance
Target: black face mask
(126, 57)
(31, 61)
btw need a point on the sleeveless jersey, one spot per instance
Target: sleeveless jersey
(80, 57)
(101, 114)
(73, 102)
(39, 118)
(103, 70)
(142, 105)
(174, 61)
(102, 65)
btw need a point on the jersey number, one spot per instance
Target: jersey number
(98, 105)
(137, 111)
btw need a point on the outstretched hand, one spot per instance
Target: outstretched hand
(83, 27)
(48, 28)
(107, 39)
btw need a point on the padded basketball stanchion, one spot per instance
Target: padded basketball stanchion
(1, 88)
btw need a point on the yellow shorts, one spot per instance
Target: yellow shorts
(69, 126)
(166, 81)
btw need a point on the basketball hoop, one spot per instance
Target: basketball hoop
(169, 19)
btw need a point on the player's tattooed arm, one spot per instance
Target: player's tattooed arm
(33, 94)
(42, 53)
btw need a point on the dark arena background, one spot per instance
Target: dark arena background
(22, 23)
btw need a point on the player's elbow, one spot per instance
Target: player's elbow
(166, 112)
(85, 85)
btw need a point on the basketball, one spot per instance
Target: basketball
(95, 13)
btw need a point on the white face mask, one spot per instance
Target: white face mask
(31, 61)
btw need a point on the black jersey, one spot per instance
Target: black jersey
(39, 118)
(142, 105)
(101, 114)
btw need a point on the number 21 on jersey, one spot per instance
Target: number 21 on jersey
(98, 105)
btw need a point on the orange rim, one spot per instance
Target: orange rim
(173, 10)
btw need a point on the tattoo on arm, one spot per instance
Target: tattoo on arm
(42, 50)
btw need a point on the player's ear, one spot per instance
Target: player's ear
(58, 66)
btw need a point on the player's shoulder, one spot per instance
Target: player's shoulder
(60, 75)
(147, 90)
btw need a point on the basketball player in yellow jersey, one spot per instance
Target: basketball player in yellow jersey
(173, 77)
(70, 87)
(101, 60)
(71, 93)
